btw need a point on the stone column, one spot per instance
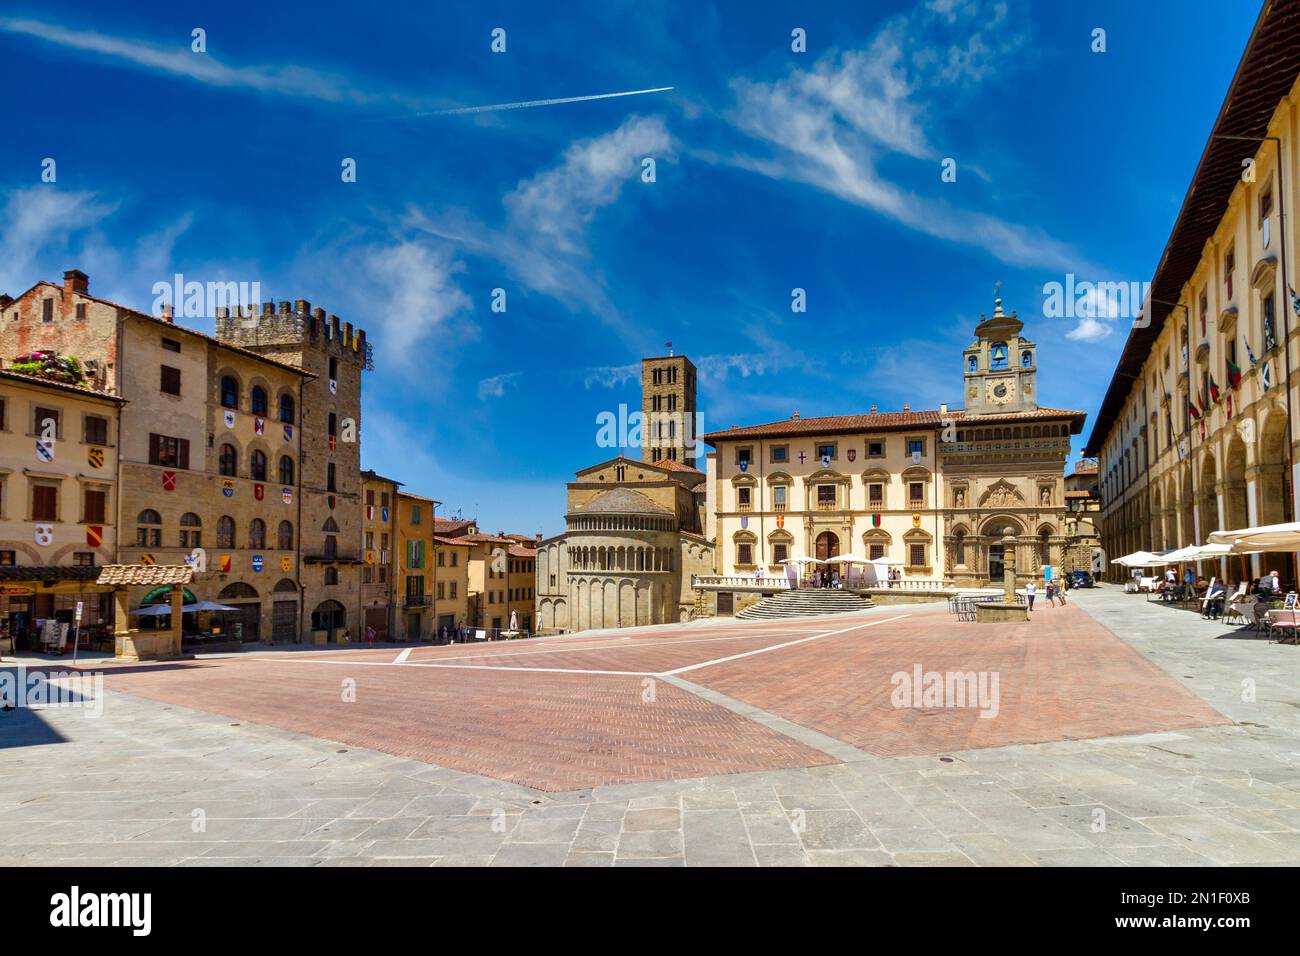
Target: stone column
(178, 601)
(122, 644)
(1009, 564)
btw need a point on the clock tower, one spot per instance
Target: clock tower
(1000, 367)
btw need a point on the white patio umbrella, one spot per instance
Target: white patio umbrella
(847, 559)
(802, 559)
(1179, 555)
(1272, 537)
(1140, 559)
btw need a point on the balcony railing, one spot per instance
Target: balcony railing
(779, 507)
(418, 600)
(743, 507)
(826, 506)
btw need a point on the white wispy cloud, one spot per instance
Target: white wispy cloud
(178, 59)
(543, 241)
(41, 222)
(833, 124)
(611, 376)
(496, 385)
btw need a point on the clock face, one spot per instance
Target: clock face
(1001, 392)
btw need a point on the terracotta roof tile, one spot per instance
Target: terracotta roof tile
(124, 574)
(889, 421)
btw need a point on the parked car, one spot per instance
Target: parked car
(1080, 579)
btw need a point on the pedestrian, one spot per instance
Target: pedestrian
(370, 635)
(1061, 594)
(1049, 592)
(1030, 590)
(347, 636)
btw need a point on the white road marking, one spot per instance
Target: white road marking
(401, 658)
(777, 647)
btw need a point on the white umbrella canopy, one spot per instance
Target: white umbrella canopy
(802, 559)
(1272, 537)
(1140, 559)
(847, 559)
(1189, 553)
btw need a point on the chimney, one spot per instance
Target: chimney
(873, 409)
(906, 407)
(167, 314)
(538, 536)
(5, 300)
(74, 280)
(795, 416)
(943, 409)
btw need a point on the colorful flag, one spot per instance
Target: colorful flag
(1266, 376)
(1250, 353)
(94, 535)
(1214, 389)
(1196, 412)
(1234, 374)
(225, 564)
(259, 425)
(1230, 405)
(259, 491)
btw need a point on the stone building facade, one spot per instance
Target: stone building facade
(668, 410)
(633, 540)
(58, 506)
(933, 490)
(1195, 433)
(238, 452)
(378, 532)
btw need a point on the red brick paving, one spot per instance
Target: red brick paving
(1061, 677)
(548, 731)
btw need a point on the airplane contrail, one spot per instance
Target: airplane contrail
(494, 107)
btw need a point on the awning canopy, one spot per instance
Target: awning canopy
(1272, 537)
(1140, 559)
(847, 559)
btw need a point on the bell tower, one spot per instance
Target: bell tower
(1001, 368)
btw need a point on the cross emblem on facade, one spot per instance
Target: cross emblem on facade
(802, 458)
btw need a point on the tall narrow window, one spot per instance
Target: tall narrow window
(257, 400)
(228, 460)
(257, 465)
(286, 408)
(226, 532)
(229, 392)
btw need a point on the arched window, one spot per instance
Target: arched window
(330, 526)
(257, 465)
(972, 363)
(284, 537)
(229, 392)
(148, 534)
(191, 535)
(998, 356)
(286, 470)
(225, 532)
(1026, 359)
(329, 477)
(257, 400)
(228, 460)
(257, 533)
(286, 408)
(331, 576)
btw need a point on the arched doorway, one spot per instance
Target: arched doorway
(284, 612)
(331, 618)
(828, 545)
(243, 624)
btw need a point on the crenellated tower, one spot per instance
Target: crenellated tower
(329, 437)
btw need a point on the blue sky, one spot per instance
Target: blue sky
(774, 170)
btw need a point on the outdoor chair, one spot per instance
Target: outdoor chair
(1282, 624)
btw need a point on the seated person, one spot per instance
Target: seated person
(1269, 586)
(1214, 599)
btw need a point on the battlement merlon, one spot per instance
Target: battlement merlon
(294, 324)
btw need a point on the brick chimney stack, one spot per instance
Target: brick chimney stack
(74, 280)
(167, 314)
(906, 407)
(873, 409)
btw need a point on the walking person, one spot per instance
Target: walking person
(370, 636)
(1049, 592)
(1030, 590)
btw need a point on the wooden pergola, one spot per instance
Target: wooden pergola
(132, 644)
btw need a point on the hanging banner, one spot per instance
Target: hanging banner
(286, 564)
(169, 480)
(95, 457)
(45, 450)
(44, 534)
(229, 419)
(288, 433)
(228, 488)
(257, 563)
(94, 535)
(286, 495)
(259, 425)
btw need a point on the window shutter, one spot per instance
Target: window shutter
(155, 456)
(184, 452)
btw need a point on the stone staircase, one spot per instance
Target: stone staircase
(805, 602)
